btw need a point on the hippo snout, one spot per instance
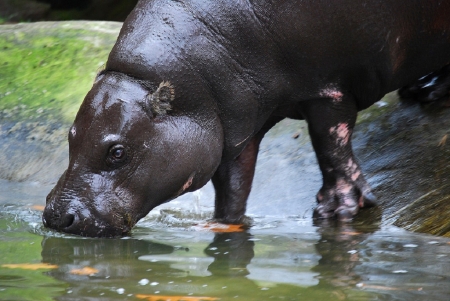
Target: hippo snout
(73, 218)
(77, 223)
(57, 221)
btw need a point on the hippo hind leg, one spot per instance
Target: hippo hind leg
(344, 190)
(434, 87)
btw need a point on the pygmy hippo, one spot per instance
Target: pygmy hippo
(191, 87)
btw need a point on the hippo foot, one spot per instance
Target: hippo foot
(343, 200)
(243, 220)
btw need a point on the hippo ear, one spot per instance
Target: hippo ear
(159, 102)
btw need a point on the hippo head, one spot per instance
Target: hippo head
(129, 151)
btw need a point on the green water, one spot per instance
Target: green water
(277, 259)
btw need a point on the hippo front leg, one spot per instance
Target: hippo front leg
(233, 180)
(344, 191)
(232, 183)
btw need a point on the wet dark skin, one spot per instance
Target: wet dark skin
(191, 87)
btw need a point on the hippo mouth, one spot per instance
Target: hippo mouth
(89, 229)
(73, 223)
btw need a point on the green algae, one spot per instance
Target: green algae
(382, 108)
(48, 67)
(427, 214)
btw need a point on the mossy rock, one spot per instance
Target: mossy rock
(405, 153)
(46, 70)
(49, 66)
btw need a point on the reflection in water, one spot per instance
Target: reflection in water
(339, 247)
(113, 258)
(338, 262)
(226, 268)
(232, 252)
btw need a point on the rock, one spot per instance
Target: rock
(47, 68)
(22, 10)
(406, 159)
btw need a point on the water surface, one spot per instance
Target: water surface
(170, 256)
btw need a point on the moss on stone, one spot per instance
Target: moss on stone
(48, 67)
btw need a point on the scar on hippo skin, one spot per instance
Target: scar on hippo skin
(348, 202)
(243, 140)
(187, 184)
(342, 134)
(159, 102)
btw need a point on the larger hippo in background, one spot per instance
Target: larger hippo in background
(191, 87)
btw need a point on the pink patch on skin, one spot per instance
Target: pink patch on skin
(353, 168)
(332, 93)
(319, 197)
(361, 201)
(187, 184)
(343, 187)
(73, 131)
(349, 202)
(356, 175)
(342, 133)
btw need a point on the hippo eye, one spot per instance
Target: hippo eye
(117, 153)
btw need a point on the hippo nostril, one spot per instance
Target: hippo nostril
(67, 220)
(60, 221)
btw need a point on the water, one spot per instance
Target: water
(171, 256)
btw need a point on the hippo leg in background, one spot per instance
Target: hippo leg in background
(429, 88)
(344, 189)
(233, 179)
